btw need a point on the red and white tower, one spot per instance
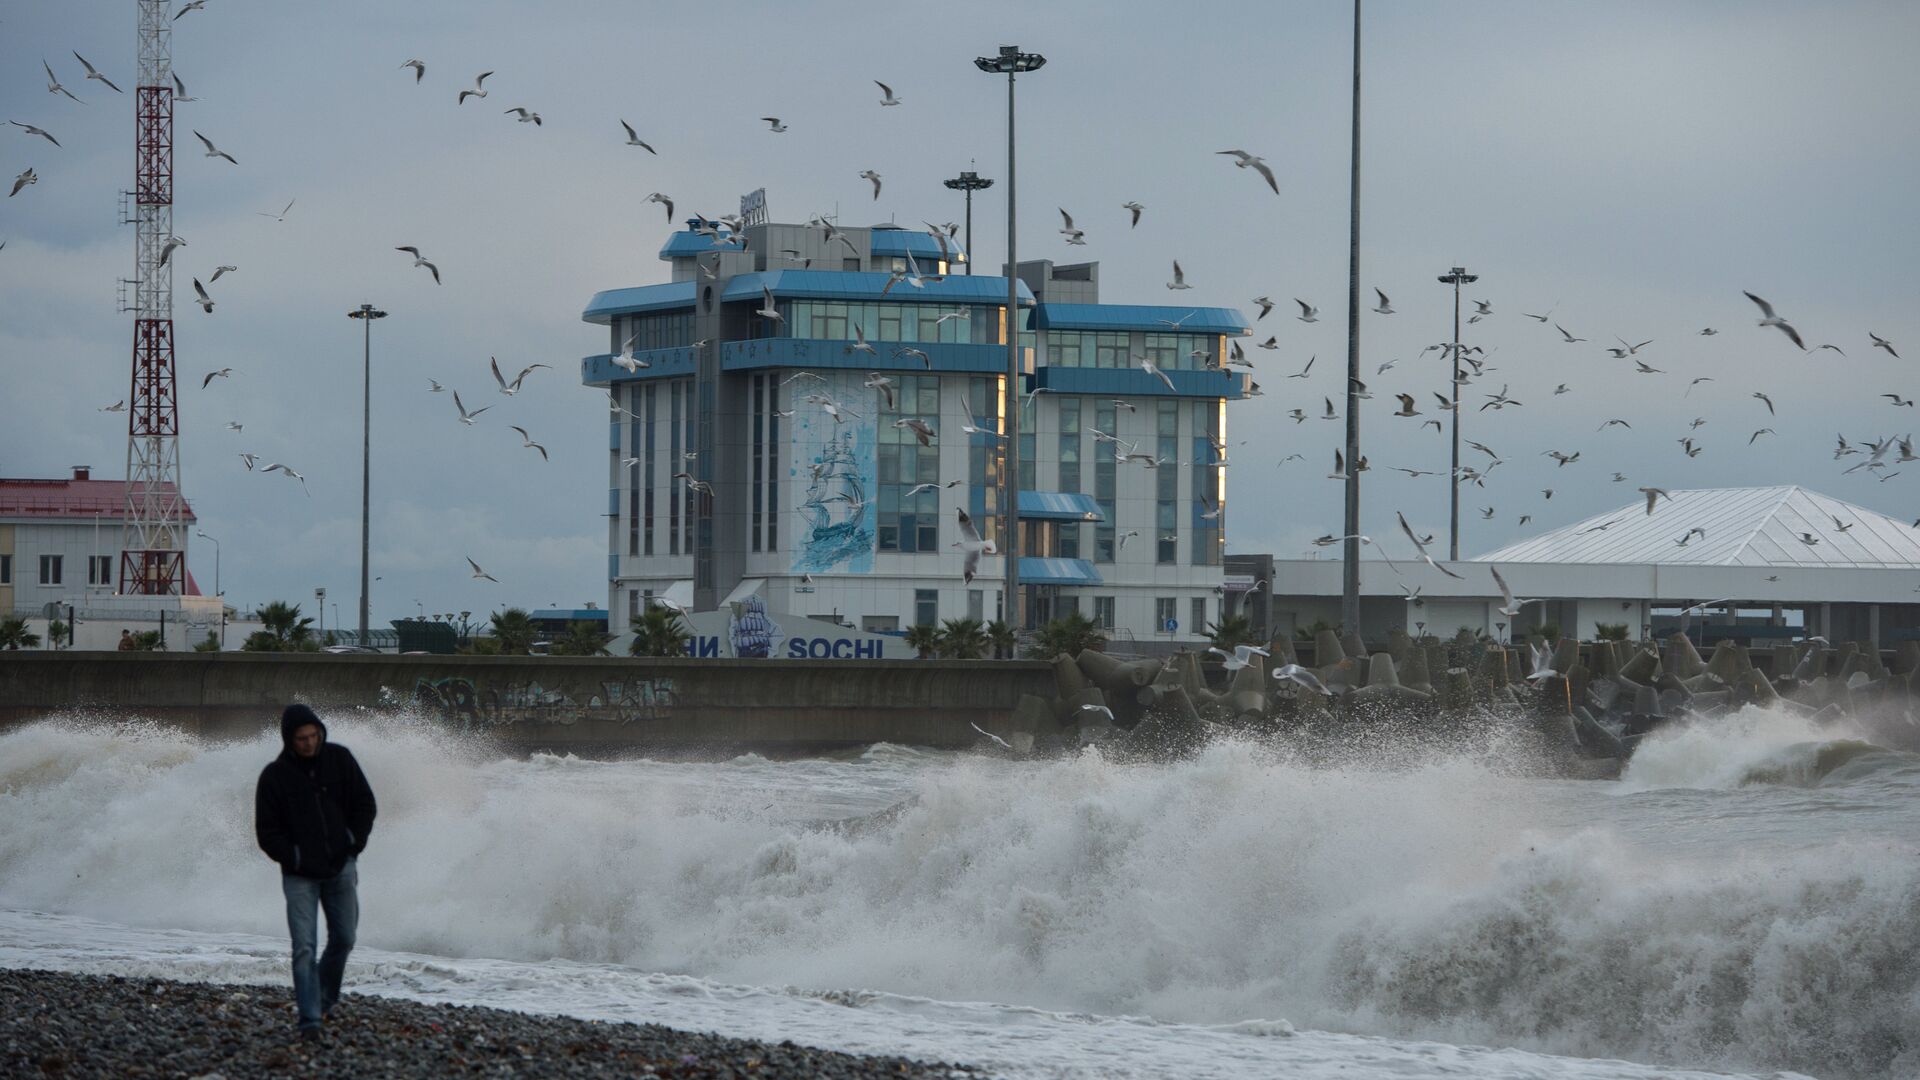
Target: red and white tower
(154, 550)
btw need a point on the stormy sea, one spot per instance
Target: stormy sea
(1746, 899)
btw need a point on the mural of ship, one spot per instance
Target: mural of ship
(835, 508)
(750, 630)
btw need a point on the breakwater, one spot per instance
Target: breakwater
(583, 705)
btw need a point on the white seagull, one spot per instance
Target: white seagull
(419, 260)
(1244, 160)
(212, 150)
(479, 573)
(526, 116)
(92, 74)
(419, 69)
(663, 200)
(633, 139)
(512, 388)
(1179, 278)
(53, 82)
(201, 297)
(1768, 318)
(527, 443)
(1300, 676)
(282, 215)
(1385, 306)
(465, 416)
(1308, 313)
(1238, 658)
(774, 125)
(970, 426)
(31, 130)
(476, 91)
(888, 91)
(971, 546)
(1508, 606)
(869, 174)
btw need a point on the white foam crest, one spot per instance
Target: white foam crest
(1729, 750)
(1442, 902)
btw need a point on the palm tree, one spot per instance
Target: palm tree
(660, 632)
(1001, 635)
(514, 630)
(56, 633)
(1069, 635)
(211, 644)
(582, 639)
(925, 638)
(14, 634)
(1231, 630)
(963, 639)
(286, 629)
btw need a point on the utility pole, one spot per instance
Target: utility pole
(1011, 61)
(1350, 570)
(969, 182)
(366, 314)
(1456, 277)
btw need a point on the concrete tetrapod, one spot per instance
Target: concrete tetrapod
(1383, 683)
(1683, 659)
(1418, 675)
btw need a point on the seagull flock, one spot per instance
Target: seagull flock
(1879, 453)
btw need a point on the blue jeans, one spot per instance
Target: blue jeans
(317, 986)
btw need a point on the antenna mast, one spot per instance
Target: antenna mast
(153, 550)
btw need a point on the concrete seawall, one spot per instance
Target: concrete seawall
(596, 705)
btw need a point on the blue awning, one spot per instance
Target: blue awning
(1152, 318)
(1059, 506)
(1035, 571)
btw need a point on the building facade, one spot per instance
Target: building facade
(60, 543)
(729, 476)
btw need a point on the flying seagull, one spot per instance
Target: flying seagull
(663, 200)
(527, 116)
(1244, 160)
(869, 174)
(1420, 546)
(290, 474)
(282, 215)
(53, 83)
(180, 89)
(167, 248)
(1308, 313)
(527, 443)
(1654, 493)
(477, 90)
(1878, 341)
(972, 427)
(43, 133)
(92, 74)
(201, 297)
(633, 139)
(513, 387)
(419, 69)
(1768, 318)
(1385, 307)
(1508, 605)
(1073, 235)
(889, 99)
(1179, 277)
(1134, 208)
(774, 125)
(419, 260)
(1240, 657)
(223, 373)
(971, 546)
(465, 416)
(479, 573)
(997, 740)
(1296, 674)
(1563, 333)
(212, 150)
(191, 5)
(1768, 400)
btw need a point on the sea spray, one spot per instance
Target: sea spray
(1445, 901)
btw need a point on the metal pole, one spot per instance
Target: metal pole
(366, 458)
(1011, 396)
(969, 232)
(1453, 527)
(1350, 570)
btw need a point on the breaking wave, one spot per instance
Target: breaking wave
(1442, 902)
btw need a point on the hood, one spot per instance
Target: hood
(293, 719)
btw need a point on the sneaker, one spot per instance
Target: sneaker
(309, 1035)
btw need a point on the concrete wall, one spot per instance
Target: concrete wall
(584, 705)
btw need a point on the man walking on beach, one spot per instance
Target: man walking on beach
(312, 811)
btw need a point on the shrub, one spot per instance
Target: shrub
(1068, 635)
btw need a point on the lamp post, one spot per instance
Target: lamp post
(969, 182)
(1350, 569)
(218, 595)
(1456, 277)
(366, 314)
(1011, 61)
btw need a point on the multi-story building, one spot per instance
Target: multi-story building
(852, 517)
(60, 551)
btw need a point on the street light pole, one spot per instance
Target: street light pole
(218, 595)
(969, 182)
(366, 314)
(1456, 277)
(1011, 61)
(1350, 570)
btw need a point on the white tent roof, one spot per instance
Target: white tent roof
(1757, 527)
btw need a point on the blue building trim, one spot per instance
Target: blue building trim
(1147, 317)
(1134, 383)
(569, 614)
(638, 300)
(949, 357)
(686, 243)
(803, 285)
(1059, 506)
(1038, 571)
(675, 363)
(921, 245)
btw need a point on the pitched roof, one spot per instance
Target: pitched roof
(73, 500)
(1759, 527)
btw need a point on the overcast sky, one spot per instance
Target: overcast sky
(1630, 166)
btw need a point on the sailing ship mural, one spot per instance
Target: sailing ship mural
(835, 475)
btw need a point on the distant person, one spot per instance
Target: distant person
(312, 812)
(126, 641)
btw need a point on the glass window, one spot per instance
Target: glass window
(1163, 616)
(1199, 625)
(49, 569)
(977, 604)
(908, 523)
(926, 607)
(1063, 348)
(984, 458)
(1110, 350)
(1167, 482)
(1164, 350)
(6, 569)
(850, 263)
(1105, 476)
(99, 569)
(1103, 611)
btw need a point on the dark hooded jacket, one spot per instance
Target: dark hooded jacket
(311, 815)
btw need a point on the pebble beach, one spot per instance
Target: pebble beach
(61, 1025)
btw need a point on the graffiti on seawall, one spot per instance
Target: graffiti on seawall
(459, 700)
